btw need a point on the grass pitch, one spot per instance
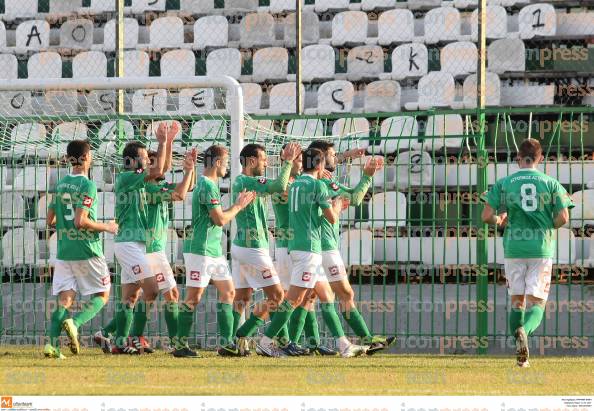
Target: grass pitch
(26, 372)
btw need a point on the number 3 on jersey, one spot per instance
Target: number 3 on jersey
(67, 201)
(528, 193)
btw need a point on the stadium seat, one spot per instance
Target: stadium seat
(232, 6)
(436, 89)
(369, 5)
(583, 212)
(44, 65)
(102, 6)
(89, 64)
(354, 247)
(166, 32)
(565, 249)
(64, 7)
(388, 209)
(146, 101)
(178, 63)
(20, 9)
(131, 31)
(442, 24)
(575, 23)
(252, 97)
(68, 131)
(398, 133)
(32, 35)
(408, 60)
(193, 101)
(2, 35)
(77, 34)
(8, 67)
(141, 6)
(459, 58)
(15, 103)
(28, 138)
(506, 55)
(270, 64)
(439, 127)
(136, 63)
(528, 95)
(349, 28)
(12, 209)
(382, 96)
(336, 97)
(20, 246)
(283, 6)
(395, 26)
(257, 30)
(317, 63)
(413, 169)
(301, 127)
(204, 133)
(211, 31)
(224, 62)
(283, 98)
(105, 206)
(365, 62)
(537, 20)
(423, 4)
(496, 23)
(493, 89)
(101, 102)
(200, 7)
(322, 6)
(41, 211)
(350, 132)
(310, 29)
(32, 179)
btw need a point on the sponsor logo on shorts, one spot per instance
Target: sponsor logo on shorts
(306, 276)
(266, 274)
(195, 275)
(137, 270)
(105, 280)
(87, 201)
(160, 277)
(262, 180)
(334, 270)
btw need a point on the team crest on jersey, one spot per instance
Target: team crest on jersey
(266, 274)
(87, 201)
(334, 186)
(262, 180)
(214, 201)
(195, 275)
(306, 276)
(136, 269)
(139, 170)
(164, 189)
(105, 280)
(160, 278)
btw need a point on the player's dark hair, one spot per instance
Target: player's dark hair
(76, 150)
(250, 150)
(530, 150)
(130, 153)
(321, 145)
(212, 154)
(311, 158)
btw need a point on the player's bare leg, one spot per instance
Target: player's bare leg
(516, 322)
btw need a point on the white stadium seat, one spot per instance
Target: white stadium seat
(140, 6)
(12, 209)
(493, 90)
(101, 102)
(528, 95)
(583, 212)
(211, 31)
(32, 179)
(178, 63)
(382, 96)
(109, 130)
(102, 6)
(409, 60)
(166, 32)
(365, 62)
(71, 130)
(270, 64)
(261, 130)
(322, 6)
(354, 247)
(439, 127)
(310, 29)
(436, 89)
(317, 62)
(575, 23)
(283, 98)
(336, 97)
(105, 206)
(565, 249)
(77, 34)
(459, 58)
(44, 65)
(349, 28)
(311, 127)
(395, 26)
(413, 169)
(42, 205)
(350, 132)
(146, 101)
(131, 30)
(204, 133)
(198, 6)
(20, 9)
(64, 102)
(398, 133)
(442, 24)
(241, 5)
(32, 35)
(496, 23)
(194, 101)
(506, 55)
(423, 4)
(25, 136)
(388, 209)
(136, 63)
(15, 103)
(2, 35)
(252, 97)
(368, 5)
(224, 62)
(9, 69)
(89, 64)
(64, 7)
(20, 246)
(537, 20)
(257, 30)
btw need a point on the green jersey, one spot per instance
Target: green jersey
(532, 200)
(72, 192)
(252, 228)
(205, 238)
(158, 197)
(280, 205)
(308, 196)
(131, 207)
(331, 232)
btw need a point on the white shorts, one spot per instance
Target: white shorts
(307, 269)
(161, 269)
(283, 267)
(528, 276)
(200, 269)
(252, 268)
(84, 276)
(132, 258)
(333, 266)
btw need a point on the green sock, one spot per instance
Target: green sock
(250, 326)
(533, 318)
(312, 331)
(90, 310)
(516, 319)
(331, 319)
(225, 322)
(184, 325)
(171, 314)
(296, 324)
(124, 315)
(55, 329)
(236, 318)
(110, 328)
(355, 320)
(140, 319)
(281, 317)
(283, 334)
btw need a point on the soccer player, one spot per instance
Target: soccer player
(80, 265)
(131, 240)
(252, 266)
(535, 205)
(309, 203)
(203, 254)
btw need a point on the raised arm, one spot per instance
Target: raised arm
(181, 189)
(356, 194)
(221, 217)
(164, 133)
(289, 153)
